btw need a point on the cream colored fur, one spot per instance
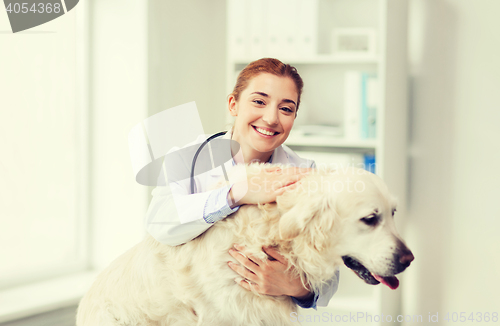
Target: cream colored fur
(157, 285)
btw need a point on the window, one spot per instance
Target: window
(43, 156)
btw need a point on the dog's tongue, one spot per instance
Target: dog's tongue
(390, 281)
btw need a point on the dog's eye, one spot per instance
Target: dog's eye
(393, 211)
(370, 220)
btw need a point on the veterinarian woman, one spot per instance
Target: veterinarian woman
(264, 102)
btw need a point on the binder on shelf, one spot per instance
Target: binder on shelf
(370, 163)
(258, 18)
(369, 104)
(288, 27)
(281, 33)
(238, 21)
(322, 130)
(273, 30)
(285, 29)
(307, 28)
(352, 105)
(360, 105)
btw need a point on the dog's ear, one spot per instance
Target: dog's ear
(295, 218)
(298, 210)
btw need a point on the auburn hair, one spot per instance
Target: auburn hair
(271, 66)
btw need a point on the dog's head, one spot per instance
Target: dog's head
(345, 215)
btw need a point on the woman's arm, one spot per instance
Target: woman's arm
(175, 217)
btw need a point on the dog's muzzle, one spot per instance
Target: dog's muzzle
(402, 261)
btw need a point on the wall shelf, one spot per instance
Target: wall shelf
(332, 142)
(320, 59)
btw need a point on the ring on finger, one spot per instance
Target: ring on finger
(250, 283)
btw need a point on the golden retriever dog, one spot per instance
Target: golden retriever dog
(331, 217)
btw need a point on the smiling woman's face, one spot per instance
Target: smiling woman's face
(264, 113)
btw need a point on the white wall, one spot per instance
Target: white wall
(118, 101)
(41, 148)
(187, 44)
(454, 186)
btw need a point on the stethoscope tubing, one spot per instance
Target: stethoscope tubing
(193, 165)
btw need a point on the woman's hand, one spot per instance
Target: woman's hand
(268, 277)
(265, 185)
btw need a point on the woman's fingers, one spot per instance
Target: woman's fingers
(266, 185)
(270, 251)
(283, 181)
(292, 170)
(281, 191)
(274, 169)
(292, 179)
(242, 259)
(243, 272)
(248, 260)
(278, 171)
(297, 170)
(270, 277)
(249, 264)
(287, 185)
(244, 283)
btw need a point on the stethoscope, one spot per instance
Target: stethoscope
(193, 165)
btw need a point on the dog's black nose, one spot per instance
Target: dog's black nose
(402, 257)
(406, 258)
(401, 261)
